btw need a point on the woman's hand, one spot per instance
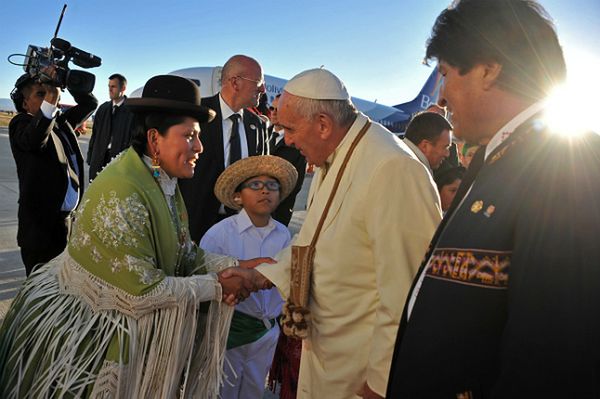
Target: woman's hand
(238, 283)
(235, 288)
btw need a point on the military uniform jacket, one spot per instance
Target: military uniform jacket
(509, 306)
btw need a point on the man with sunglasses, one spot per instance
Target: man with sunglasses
(49, 166)
(234, 134)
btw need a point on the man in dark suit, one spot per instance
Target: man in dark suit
(49, 166)
(507, 301)
(277, 146)
(112, 129)
(235, 133)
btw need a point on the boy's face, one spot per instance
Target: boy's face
(259, 201)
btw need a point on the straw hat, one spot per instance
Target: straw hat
(171, 94)
(245, 168)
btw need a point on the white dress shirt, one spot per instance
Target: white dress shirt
(226, 112)
(236, 236)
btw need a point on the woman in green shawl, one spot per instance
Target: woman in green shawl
(117, 314)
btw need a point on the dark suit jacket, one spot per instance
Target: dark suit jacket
(43, 167)
(283, 213)
(109, 129)
(198, 192)
(505, 307)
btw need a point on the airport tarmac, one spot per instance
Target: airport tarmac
(12, 271)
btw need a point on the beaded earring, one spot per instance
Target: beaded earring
(155, 165)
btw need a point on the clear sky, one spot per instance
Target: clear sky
(375, 47)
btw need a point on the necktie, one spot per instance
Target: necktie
(73, 168)
(235, 148)
(273, 141)
(114, 109)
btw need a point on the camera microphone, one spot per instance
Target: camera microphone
(84, 59)
(61, 44)
(79, 57)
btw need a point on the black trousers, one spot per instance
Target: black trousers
(34, 255)
(38, 256)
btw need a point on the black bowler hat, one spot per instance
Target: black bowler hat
(171, 94)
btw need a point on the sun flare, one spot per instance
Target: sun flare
(570, 108)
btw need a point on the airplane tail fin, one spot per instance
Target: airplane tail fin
(428, 95)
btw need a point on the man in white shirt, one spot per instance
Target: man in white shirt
(234, 134)
(113, 125)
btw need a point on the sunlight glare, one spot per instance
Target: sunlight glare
(570, 109)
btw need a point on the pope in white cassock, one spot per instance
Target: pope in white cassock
(377, 228)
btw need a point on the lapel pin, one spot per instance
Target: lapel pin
(490, 209)
(477, 206)
(253, 126)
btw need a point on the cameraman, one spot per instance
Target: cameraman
(49, 165)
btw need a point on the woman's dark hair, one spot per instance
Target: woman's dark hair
(517, 34)
(447, 175)
(159, 121)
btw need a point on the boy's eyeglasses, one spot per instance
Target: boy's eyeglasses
(256, 185)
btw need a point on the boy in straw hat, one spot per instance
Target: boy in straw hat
(254, 186)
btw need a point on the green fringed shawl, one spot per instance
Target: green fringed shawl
(114, 315)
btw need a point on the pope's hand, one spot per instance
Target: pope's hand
(235, 289)
(252, 263)
(251, 281)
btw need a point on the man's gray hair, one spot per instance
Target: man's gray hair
(343, 112)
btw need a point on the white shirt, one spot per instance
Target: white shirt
(226, 112)
(236, 236)
(511, 126)
(119, 103)
(281, 134)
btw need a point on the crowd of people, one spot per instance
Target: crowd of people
(457, 262)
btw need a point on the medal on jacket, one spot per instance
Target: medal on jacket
(477, 206)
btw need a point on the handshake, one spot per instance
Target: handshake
(239, 282)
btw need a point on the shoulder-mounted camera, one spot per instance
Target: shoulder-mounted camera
(59, 54)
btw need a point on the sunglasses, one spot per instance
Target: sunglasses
(258, 83)
(271, 185)
(272, 108)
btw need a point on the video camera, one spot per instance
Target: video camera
(59, 54)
